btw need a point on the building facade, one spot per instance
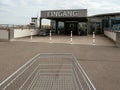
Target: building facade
(106, 22)
(77, 21)
(65, 21)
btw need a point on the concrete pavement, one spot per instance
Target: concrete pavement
(101, 63)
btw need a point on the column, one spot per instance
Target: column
(109, 23)
(95, 27)
(40, 23)
(56, 26)
(88, 27)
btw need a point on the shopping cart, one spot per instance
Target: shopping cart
(49, 71)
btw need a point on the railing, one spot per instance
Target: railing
(21, 27)
(6, 26)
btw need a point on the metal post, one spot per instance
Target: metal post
(71, 37)
(93, 38)
(31, 33)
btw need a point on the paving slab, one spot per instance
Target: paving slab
(101, 63)
(100, 40)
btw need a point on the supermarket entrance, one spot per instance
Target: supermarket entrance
(71, 26)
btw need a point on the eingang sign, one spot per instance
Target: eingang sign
(64, 13)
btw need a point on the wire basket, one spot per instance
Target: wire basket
(49, 71)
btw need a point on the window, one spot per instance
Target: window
(105, 23)
(115, 24)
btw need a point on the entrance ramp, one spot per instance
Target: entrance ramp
(49, 71)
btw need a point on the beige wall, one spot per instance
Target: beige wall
(25, 32)
(4, 34)
(111, 35)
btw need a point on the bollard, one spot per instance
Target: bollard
(93, 38)
(31, 35)
(71, 37)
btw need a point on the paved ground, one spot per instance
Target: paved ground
(83, 40)
(101, 63)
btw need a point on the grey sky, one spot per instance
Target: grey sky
(21, 11)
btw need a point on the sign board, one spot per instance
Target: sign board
(64, 13)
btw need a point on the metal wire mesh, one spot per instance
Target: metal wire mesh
(49, 72)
